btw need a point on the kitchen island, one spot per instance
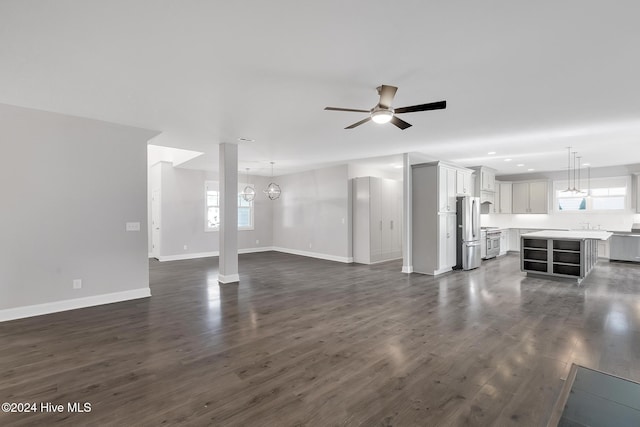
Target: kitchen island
(564, 254)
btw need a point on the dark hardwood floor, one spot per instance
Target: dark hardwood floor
(302, 341)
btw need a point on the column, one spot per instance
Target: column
(407, 216)
(228, 261)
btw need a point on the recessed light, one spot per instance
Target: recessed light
(531, 170)
(520, 164)
(491, 153)
(586, 164)
(242, 139)
(507, 160)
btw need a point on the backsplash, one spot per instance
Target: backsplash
(578, 220)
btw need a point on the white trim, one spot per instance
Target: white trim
(180, 257)
(407, 269)
(253, 250)
(328, 257)
(72, 304)
(151, 255)
(192, 255)
(195, 255)
(231, 278)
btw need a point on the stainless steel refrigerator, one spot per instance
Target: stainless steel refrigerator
(468, 235)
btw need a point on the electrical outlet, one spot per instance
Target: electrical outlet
(186, 247)
(257, 242)
(132, 226)
(310, 245)
(77, 283)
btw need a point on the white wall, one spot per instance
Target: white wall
(68, 187)
(183, 213)
(312, 215)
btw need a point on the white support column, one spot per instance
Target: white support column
(228, 261)
(407, 216)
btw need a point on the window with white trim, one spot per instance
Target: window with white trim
(212, 208)
(601, 195)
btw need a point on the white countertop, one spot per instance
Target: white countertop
(575, 234)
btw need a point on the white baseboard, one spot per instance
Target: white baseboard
(195, 255)
(231, 278)
(318, 255)
(72, 304)
(151, 255)
(407, 269)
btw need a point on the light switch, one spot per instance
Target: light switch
(133, 226)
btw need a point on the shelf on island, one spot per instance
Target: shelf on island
(567, 250)
(536, 249)
(570, 245)
(567, 270)
(573, 264)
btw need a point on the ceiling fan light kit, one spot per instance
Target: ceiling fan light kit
(383, 113)
(381, 116)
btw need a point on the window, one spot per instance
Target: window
(212, 208)
(606, 194)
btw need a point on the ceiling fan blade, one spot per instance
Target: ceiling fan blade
(386, 95)
(363, 121)
(400, 123)
(346, 109)
(440, 105)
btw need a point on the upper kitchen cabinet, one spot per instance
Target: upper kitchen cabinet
(531, 197)
(464, 186)
(502, 199)
(453, 181)
(636, 182)
(486, 179)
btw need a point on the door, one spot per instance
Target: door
(155, 223)
(375, 212)
(451, 190)
(538, 198)
(451, 240)
(442, 242)
(396, 219)
(520, 198)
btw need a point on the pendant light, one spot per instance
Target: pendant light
(568, 190)
(248, 194)
(579, 186)
(588, 182)
(574, 189)
(273, 190)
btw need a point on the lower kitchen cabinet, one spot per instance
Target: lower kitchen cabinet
(504, 241)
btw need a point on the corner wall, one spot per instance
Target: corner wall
(68, 187)
(312, 215)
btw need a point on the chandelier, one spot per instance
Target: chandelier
(575, 169)
(273, 190)
(248, 194)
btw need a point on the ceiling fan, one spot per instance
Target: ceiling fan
(383, 113)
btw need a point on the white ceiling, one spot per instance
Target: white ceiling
(523, 79)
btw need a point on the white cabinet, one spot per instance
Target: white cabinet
(503, 197)
(447, 244)
(446, 189)
(485, 179)
(463, 183)
(504, 241)
(377, 216)
(434, 190)
(636, 182)
(488, 179)
(530, 197)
